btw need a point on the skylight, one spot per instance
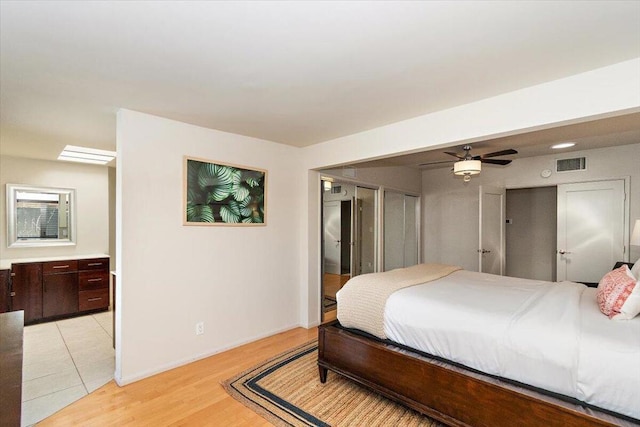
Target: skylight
(72, 153)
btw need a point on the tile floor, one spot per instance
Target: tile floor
(64, 361)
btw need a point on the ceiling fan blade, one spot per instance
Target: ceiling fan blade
(500, 153)
(454, 154)
(496, 161)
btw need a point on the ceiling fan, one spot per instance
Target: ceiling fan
(469, 165)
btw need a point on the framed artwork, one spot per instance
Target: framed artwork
(223, 194)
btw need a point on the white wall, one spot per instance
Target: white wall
(240, 281)
(173, 276)
(608, 91)
(450, 207)
(391, 177)
(92, 203)
(598, 93)
(112, 218)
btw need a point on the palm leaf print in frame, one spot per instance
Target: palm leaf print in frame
(223, 194)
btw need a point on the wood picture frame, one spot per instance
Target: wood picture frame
(223, 194)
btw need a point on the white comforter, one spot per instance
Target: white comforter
(549, 335)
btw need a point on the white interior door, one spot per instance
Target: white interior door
(591, 229)
(401, 230)
(332, 249)
(492, 230)
(393, 230)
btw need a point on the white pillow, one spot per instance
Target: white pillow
(635, 270)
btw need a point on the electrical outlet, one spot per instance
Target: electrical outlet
(199, 328)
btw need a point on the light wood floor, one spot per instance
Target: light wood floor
(187, 396)
(332, 283)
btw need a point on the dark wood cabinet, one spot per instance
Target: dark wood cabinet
(26, 290)
(11, 351)
(5, 291)
(55, 289)
(59, 288)
(93, 284)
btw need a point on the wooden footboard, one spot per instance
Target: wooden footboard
(448, 393)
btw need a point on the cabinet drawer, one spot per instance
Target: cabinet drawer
(94, 264)
(89, 280)
(55, 267)
(92, 300)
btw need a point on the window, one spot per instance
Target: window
(38, 216)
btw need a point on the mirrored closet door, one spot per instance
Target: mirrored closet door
(349, 236)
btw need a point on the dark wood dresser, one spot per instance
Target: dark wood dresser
(54, 289)
(11, 329)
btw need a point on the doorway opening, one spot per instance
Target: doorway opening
(531, 233)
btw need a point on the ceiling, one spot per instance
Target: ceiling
(602, 133)
(296, 73)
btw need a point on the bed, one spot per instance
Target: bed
(543, 354)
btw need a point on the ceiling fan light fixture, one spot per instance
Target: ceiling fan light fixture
(467, 168)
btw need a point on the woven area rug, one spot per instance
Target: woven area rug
(286, 391)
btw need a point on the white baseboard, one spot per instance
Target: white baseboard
(176, 364)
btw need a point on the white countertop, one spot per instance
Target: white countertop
(5, 264)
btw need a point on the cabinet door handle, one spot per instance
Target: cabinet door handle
(93, 264)
(95, 280)
(93, 299)
(13, 294)
(61, 266)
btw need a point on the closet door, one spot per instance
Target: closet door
(332, 237)
(591, 229)
(365, 228)
(401, 238)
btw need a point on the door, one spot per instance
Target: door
(401, 230)
(365, 226)
(332, 236)
(491, 257)
(591, 219)
(349, 232)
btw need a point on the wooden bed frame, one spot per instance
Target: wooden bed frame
(448, 393)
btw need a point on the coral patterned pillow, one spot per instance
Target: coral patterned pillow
(619, 294)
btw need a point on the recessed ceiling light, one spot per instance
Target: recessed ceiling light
(72, 153)
(563, 145)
